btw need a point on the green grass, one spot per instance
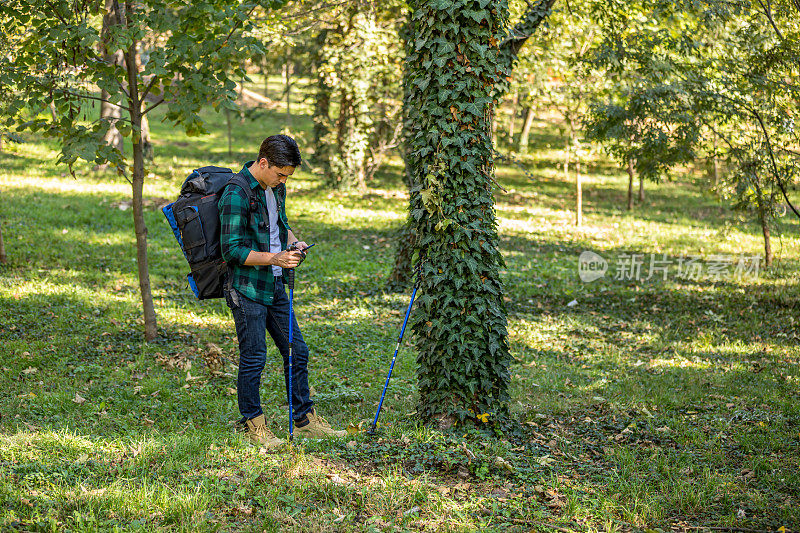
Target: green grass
(645, 405)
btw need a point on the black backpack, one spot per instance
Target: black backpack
(194, 219)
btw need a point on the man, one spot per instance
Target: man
(255, 248)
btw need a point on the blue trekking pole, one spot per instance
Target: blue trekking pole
(288, 274)
(289, 277)
(371, 430)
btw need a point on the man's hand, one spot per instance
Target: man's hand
(301, 247)
(287, 259)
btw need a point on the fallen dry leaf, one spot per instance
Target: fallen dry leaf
(499, 461)
(80, 400)
(554, 500)
(336, 478)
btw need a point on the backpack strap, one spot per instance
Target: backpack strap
(255, 205)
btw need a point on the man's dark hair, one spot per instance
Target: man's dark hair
(280, 150)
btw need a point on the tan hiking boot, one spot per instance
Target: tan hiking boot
(259, 434)
(317, 428)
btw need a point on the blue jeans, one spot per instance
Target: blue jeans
(253, 320)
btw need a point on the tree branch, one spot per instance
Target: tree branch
(236, 27)
(56, 13)
(768, 12)
(772, 159)
(155, 105)
(718, 134)
(149, 86)
(89, 97)
(523, 29)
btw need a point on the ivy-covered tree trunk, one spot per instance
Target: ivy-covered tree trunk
(322, 105)
(347, 63)
(460, 324)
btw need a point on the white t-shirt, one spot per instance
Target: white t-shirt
(274, 235)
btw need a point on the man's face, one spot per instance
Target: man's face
(274, 175)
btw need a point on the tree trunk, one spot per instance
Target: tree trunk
(288, 71)
(578, 195)
(526, 129)
(403, 270)
(265, 71)
(641, 189)
(567, 149)
(112, 113)
(763, 221)
(715, 162)
(630, 184)
(460, 320)
(765, 230)
(3, 258)
(321, 131)
(2, 143)
(147, 146)
(137, 186)
(512, 123)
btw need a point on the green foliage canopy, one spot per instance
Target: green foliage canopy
(187, 50)
(699, 70)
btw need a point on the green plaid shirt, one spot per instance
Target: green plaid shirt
(238, 237)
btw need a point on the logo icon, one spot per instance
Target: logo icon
(591, 266)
